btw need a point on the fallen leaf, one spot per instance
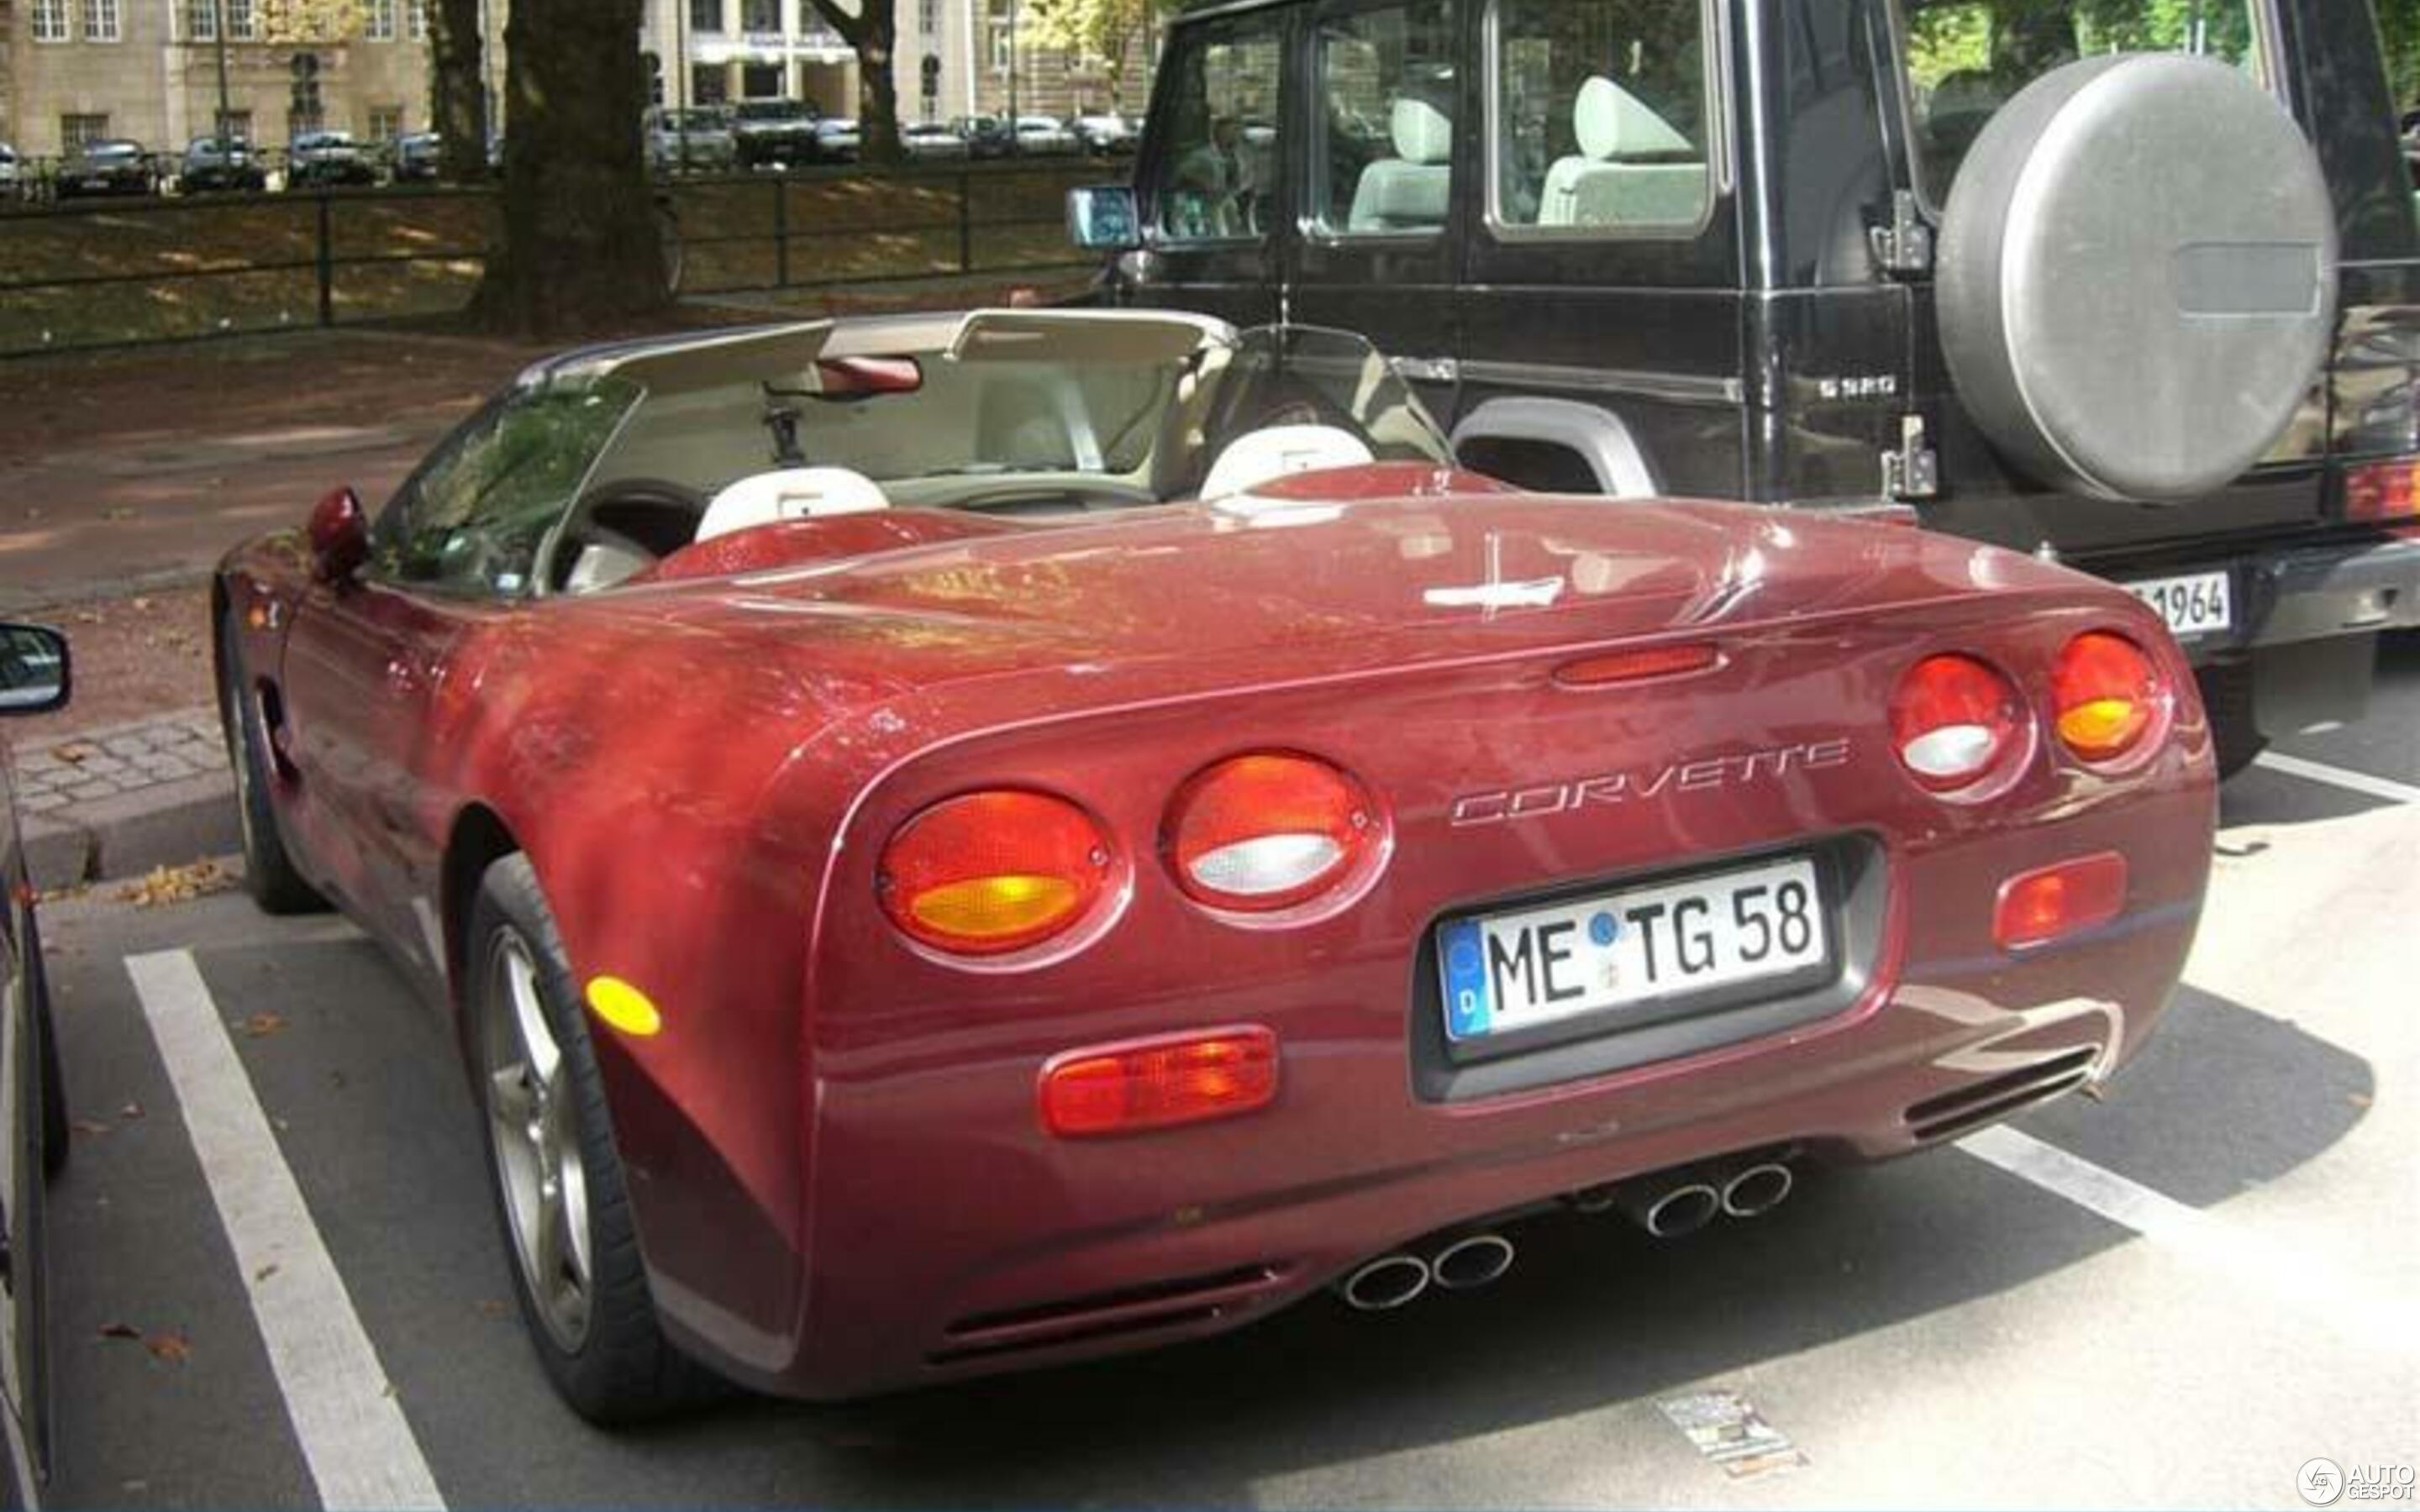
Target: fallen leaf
(489, 1307)
(171, 1347)
(265, 1271)
(176, 885)
(263, 1024)
(86, 1126)
(2359, 1100)
(120, 1331)
(130, 1112)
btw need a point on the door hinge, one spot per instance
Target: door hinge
(1903, 249)
(1913, 472)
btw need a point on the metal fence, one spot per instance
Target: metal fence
(83, 276)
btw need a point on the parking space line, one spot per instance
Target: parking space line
(2297, 1279)
(2361, 782)
(353, 1435)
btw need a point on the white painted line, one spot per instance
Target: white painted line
(2298, 1279)
(353, 1436)
(2336, 776)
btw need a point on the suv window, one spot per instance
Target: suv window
(1966, 58)
(1222, 134)
(472, 519)
(1385, 94)
(1602, 121)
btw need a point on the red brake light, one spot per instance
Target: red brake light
(2382, 491)
(1953, 719)
(1265, 832)
(2108, 695)
(2058, 900)
(988, 874)
(1636, 666)
(1160, 1083)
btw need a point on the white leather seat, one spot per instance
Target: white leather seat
(795, 493)
(1409, 190)
(1280, 451)
(1605, 185)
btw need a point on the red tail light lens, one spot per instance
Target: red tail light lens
(2107, 694)
(990, 873)
(2059, 900)
(1130, 1089)
(2383, 491)
(1953, 719)
(1261, 833)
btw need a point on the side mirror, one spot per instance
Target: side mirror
(34, 677)
(1104, 219)
(340, 536)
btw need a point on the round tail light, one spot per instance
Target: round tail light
(990, 873)
(2107, 693)
(1953, 719)
(1261, 833)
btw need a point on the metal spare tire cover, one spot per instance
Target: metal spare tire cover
(2137, 276)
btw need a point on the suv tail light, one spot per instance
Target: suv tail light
(2382, 491)
(988, 874)
(1264, 832)
(1160, 1083)
(1953, 719)
(2107, 693)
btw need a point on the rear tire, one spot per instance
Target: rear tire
(557, 1180)
(268, 871)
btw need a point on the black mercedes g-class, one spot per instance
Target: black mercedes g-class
(2132, 284)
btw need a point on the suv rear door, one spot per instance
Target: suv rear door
(1213, 180)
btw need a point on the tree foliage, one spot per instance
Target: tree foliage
(872, 29)
(1102, 30)
(302, 23)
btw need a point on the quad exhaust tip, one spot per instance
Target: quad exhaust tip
(1758, 1190)
(1682, 1210)
(1387, 1283)
(1471, 1261)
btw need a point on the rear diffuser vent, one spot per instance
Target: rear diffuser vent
(1101, 1314)
(1972, 1106)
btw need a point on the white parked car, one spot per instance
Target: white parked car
(931, 141)
(9, 170)
(698, 140)
(1043, 137)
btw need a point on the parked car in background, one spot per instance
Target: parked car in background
(33, 1132)
(1109, 135)
(931, 141)
(328, 160)
(417, 157)
(114, 166)
(213, 166)
(1045, 136)
(11, 183)
(767, 132)
(696, 140)
(836, 140)
(986, 136)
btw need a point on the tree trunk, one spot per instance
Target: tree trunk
(582, 250)
(458, 88)
(872, 31)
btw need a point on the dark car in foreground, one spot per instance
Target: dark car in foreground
(216, 166)
(328, 160)
(986, 136)
(34, 679)
(959, 843)
(115, 167)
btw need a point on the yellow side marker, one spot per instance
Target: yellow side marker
(624, 1007)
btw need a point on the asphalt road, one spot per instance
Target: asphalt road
(2177, 1295)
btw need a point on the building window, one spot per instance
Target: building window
(78, 131)
(201, 21)
(380, 24)
(415, 20)
(100, 21)
(1004, 36)
(299, 121)
(705, 15)
(241, 24)
(50, 21)
(386, 122)
(237, 125)
(710, 84)
(760, 16)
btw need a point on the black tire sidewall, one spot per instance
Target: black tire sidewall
(268, 871)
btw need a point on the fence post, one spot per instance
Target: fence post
(782, 230)
(327, 264)
(966, 221)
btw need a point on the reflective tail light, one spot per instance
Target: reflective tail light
(1953, 719)
(1261, 833)
(2107, 694)
(2059, 900)
(990, 873)
(2382, 491)
(1126, 1089)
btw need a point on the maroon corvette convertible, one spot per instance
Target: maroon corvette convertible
(960, 844)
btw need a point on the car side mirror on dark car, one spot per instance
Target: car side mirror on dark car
(34, 675)
(1104, 219)
(340, 536)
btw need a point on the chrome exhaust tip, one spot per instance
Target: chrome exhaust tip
(1677, 1211)
(1472, 1261)
(1594, 1199)
(1385, 1284)
(1758, 1190)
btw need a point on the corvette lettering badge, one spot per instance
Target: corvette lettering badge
(1710, 774)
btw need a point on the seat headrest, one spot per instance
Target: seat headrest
(1610, 122)
(794, 493)
(1281, 451)
(1423, 133)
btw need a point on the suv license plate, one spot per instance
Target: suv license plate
(2199, 605)
(1508, 972)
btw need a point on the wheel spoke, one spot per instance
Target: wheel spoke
(538, 1049)
(511, 1100)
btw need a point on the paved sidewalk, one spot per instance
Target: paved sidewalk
(120, 800)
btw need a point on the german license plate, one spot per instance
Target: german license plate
(1507, 972)
(2197, 605)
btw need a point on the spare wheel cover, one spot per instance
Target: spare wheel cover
(2137, 276)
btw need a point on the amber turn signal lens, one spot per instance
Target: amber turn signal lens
(2107, 694)
(1160, 1083)
(990, 873)
(2059, 900)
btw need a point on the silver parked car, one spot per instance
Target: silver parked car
(1045, 136)
(931, 141)
(697, 139)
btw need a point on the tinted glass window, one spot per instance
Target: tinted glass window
(1966, 58)
(473, 518)
(1386, 106)
(1221, 174)
(1602, 114)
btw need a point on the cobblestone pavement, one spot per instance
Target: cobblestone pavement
(53, 779)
